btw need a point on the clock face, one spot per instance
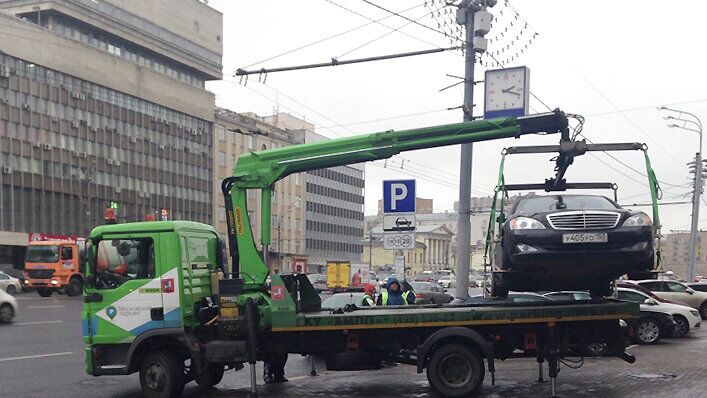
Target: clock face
(506, 89)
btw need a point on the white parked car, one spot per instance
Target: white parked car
(10, 284)
(447, 281)
(686, 318)
(677, 291)
(8, 307)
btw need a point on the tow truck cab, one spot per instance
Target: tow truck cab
(141, 286)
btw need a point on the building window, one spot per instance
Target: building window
(221, 132)
(222, 213)
(222, 158)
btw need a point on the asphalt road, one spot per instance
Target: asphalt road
(41, 355)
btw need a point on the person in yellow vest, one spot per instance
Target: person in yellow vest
(369, 295)
(394, 295)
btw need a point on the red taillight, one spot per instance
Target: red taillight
(419, 295)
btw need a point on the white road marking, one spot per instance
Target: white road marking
(33, 298)
(56, 354)
(35, 323)
(46, 306)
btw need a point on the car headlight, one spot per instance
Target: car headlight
(694, 312)
(54, 282)
(525, 223)
(638, 220)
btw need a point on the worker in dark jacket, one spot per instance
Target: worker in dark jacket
(394, 295)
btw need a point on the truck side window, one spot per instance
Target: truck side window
(121, 260)
(67, 253)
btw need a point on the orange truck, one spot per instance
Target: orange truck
(55, 265)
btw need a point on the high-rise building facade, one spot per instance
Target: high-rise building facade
(104, 102)
(236, 134)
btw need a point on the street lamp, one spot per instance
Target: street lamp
(290, 207)
(688, 121)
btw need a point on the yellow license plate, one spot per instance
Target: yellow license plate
(229, 312)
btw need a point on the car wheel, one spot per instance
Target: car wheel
(681, 326)
(647, 331)
(6, 313)
(11, 290)
(703, 310)
(596, 349)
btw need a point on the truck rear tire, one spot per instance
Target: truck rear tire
(75, 287)
(455, 370)
(45, 292)
(211, 376)
(162, 375)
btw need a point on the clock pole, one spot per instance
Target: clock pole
(465, 16)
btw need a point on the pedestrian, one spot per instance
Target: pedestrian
(356, 279)
(393, 294)
(369, 294)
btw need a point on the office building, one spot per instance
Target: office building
(104, 102)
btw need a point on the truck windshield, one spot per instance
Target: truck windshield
(543, 204)
(42, 254)
(120, 260)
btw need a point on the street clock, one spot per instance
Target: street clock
(506, 92)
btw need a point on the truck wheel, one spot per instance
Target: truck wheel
(11, 290)
(211, 376)
(45, 292)
(647, 331)
(161, 375)
(455, 370)
(75, 287)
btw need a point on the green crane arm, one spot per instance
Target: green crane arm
(260, 170)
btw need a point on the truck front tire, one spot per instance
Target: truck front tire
(455, 370)
(162, 375)
(75, 287)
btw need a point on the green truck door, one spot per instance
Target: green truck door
(130, 283)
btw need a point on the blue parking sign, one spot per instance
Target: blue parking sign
(399, 196)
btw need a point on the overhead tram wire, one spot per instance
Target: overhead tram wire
(384, 25)
(328, 38)
(391, 31)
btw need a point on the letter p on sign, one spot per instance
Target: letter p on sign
(399, 196)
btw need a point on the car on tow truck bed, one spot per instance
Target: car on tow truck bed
(571, 242)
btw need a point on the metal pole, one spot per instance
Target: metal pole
(695, 213)
(467, 150)
(370, 250)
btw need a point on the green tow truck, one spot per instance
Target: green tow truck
(155, 305)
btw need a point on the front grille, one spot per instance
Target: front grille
(580, 220)
(40, 273)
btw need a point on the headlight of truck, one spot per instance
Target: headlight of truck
(525, 223)
(638, 220)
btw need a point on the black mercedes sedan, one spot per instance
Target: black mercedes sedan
(571, 242)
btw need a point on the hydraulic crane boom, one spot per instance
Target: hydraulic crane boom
(260, 170)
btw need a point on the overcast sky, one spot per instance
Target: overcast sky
(612, 62)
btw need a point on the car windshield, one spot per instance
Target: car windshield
(542, 204)
(42, 254)
(339, 300)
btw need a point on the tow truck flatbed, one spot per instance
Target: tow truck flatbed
(459, 315)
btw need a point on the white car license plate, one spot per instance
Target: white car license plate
(585, 238)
